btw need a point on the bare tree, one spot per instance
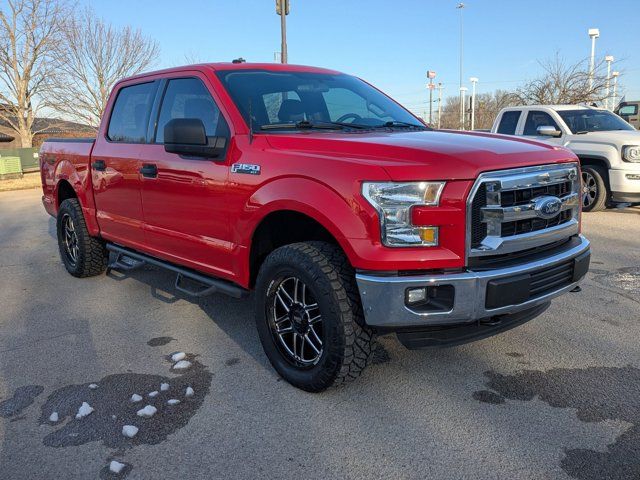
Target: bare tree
(487, 107)
(93, 57)
(29, 31)
(563, 83)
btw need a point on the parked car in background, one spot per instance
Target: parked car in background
(629, 112)
(343, 212)
(607, 146)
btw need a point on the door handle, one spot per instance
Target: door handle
(99, 165)
(149, 170)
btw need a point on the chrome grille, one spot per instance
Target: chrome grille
(513, 210)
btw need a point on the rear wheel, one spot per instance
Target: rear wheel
(594, 188)
(309, 316)
(82, 254)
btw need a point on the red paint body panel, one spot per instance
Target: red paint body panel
(199, 214)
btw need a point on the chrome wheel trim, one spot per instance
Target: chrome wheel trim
(296, 323)
(589, 189)
(70, 239)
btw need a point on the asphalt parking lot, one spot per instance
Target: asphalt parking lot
(556, 398)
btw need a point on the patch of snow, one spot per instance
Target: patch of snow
(173, 401)
(135, 398)
(153, 394)
(53, 418)
(84, 410)
(147, 412)
(189, 392)
(115, 466)
(176, 357)
(93, 386)
(164, 387)
(182, 365)
(114, 417)
(129, 431)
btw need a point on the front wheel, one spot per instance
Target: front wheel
(594, 188)
(309, 316)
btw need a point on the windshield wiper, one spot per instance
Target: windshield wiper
(307, 125)
(398, 124)
(581, 132)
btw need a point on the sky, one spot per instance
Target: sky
(392, 44)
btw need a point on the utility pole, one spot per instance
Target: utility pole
(473, 81)
(615, 88)
(593, 34)
(460, 7)
(439, 103)
(431, 75)
(282, 9)
(609, 60)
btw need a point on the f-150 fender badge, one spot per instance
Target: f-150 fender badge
(247, 168)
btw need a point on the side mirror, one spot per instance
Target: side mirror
(548, 131)
(187, 136)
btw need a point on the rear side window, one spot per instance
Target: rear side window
(130, 115)
(509, 122)
(536, 119)
(189, 98)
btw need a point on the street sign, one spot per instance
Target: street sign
(279, 9)
(431, 74)
(431, 86)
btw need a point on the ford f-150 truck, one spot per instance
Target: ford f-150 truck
(341, 210)
(608, 148)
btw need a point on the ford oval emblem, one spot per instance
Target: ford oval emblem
(547, 207)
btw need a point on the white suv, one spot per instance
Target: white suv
(607, 146)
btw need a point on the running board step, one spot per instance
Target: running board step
(209, 284)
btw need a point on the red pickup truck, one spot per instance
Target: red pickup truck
(345, 214)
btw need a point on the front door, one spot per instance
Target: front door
(538, 118)
(115, 165)
(183, 197)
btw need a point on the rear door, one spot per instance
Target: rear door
(115, 164)
(183, 197)
(508, 122)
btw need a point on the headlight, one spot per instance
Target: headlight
(393, 201)
(631, 153)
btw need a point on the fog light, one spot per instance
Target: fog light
(416, 295)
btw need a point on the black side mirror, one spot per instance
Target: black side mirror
(187, 136)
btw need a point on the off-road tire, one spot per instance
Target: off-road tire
(348, 343)
(600, 177)
(92, 254)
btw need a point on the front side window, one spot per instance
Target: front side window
(628, 110)
(283, 98)
(189, 98)
(509, 122)
(591, 120)
(130, 114)
(535, 119)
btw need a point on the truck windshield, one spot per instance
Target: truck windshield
(585, 121)
(277, 100)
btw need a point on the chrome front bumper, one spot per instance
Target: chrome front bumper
(383, 297)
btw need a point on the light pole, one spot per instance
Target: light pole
(439, 103)
(473, 81)
(593, 34)
(282, 9)
(615, 88)
(462, 92)
(608, 59)
(460, 7)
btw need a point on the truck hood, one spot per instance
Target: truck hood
(424, 155)
(616, 138)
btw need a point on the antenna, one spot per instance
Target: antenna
(250, 123)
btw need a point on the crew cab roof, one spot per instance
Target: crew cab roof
(553, 107)
(275, 67)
